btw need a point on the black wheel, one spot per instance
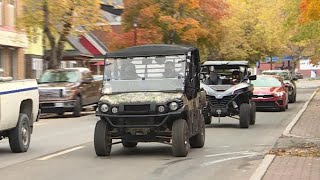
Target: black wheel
(128, 144)
(253, 113)
(19, 137)
(293, 97)
(287, 106)
(244, 115)
(102, 139)
(180, 138)
(207, 119)
(198, 140)
(77, 108)
(282, 109)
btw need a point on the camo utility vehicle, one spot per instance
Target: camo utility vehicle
(151, 93)
(229, 92)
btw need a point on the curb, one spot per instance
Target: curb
(294, 121)
(263, 167)
(268, 159)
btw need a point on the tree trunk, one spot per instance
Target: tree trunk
(53, 63)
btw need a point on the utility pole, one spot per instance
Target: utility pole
(135, 25)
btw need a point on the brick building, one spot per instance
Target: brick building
(12, 42)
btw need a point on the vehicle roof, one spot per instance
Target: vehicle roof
(151, 50)
(81, 69)
(225, 63)
(276, 70)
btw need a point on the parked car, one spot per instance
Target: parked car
(289, 80)
(270, 92)
(229, 92)
(299, 75)
(19, 102)
(68, 90)
(151, 93)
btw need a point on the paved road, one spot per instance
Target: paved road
(63, 149)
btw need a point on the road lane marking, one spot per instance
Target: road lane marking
(228, 153)
(263, 167)
(227, 159)
(39, 124)
(60, 153)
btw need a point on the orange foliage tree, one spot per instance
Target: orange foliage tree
(193, 22)
(310, 10)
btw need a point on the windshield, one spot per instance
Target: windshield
(284, 75)
(222, 75)
(59, 76)
(266, 82)
(165, 73)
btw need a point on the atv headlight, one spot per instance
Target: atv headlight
(279, 94)
(104, 108)
(173, 106)
(68, 92)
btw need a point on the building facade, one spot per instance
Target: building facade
(12, 42)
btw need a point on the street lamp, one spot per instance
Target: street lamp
(135, 25)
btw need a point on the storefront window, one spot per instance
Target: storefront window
(12, 13)
(1, 13)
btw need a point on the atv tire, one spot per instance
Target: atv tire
(244, 115)
(180, 138)
(102, 139)
(198, 140)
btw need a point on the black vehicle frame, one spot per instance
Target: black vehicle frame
(229, 97)
(147, 109)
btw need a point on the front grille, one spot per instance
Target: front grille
(263, 96)
(50, 93)
(265, 104)
(137, 108)
(224, 102)
(46, 105)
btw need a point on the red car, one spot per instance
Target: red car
(270, 92)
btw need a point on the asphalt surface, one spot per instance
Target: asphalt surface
(62, 148)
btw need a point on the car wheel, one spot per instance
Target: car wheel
(198, 140)
(287, 106)
(19, 137)
(129, 144)
(253, 113)
(244, 115)
(207, 119)
(61, 113)
(180, 138)
(282, 109)
(102, 139)
(77, 108)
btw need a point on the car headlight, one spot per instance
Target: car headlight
(68, 92)
(279, 94)
(114, 110)
(173, 106)
(161, 109)
(104, 108)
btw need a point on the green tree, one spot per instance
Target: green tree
(58, 20)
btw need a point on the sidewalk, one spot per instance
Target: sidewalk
(298, 157)
(306, 83)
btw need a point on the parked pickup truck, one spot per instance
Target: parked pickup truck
(68, 90)
(19, 108)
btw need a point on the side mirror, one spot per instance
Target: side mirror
(252, 77)
(202, 77)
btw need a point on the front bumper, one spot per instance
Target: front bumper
(274, 102)
(151, 121)
(57, 106)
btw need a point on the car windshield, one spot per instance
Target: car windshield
(284, 75)
(140, 74)
(59, 76)
(224, 74)
(266, 82)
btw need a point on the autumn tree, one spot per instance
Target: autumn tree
(252, 30)
(194, 22)
(58, 20)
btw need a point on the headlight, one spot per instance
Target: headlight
(279, 94)
(68, 92)
(173, 106)
(104, 108)
(114, 110)
(161, 109)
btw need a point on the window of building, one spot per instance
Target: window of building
(1, 62)
(13, 63)
(11, 13)
(1, 13)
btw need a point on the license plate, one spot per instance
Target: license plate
(58, 105)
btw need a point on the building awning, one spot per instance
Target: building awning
(100, 63)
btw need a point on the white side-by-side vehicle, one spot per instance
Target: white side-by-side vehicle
(19, 109)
